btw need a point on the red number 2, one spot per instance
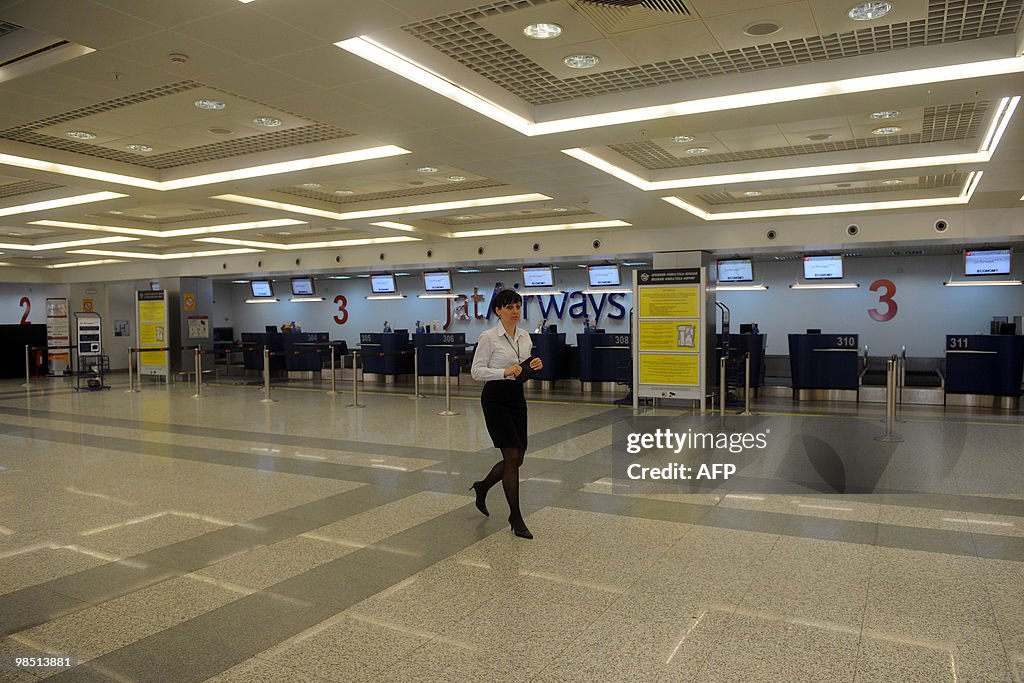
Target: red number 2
(342, 303)
(28, 308)
(891, 306)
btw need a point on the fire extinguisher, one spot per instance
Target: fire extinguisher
(40, 370)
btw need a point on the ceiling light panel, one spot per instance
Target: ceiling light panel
(163, 257)
(390, 211)
(47, 246)
(294, 246)
(180, 232)
(591, 225)
(59, 203)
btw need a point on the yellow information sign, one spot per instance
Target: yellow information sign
(670, 302)
(676, 335)
(151, 312)
(669, 368)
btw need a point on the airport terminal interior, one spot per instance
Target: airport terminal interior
(771, 255)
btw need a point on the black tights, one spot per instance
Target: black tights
(506, 470)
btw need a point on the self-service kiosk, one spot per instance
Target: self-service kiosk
(92, 363)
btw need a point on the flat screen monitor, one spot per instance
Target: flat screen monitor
(262, 289)
(270, 329)
(823, 267)
(987, 262)
(437, 281)
(383, 284)
(736, 270)
(606, 275)
(302, 286)
(538, 276)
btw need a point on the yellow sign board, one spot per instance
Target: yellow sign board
(669, 368)
(151, 312)
(676, 335)
(670, 302)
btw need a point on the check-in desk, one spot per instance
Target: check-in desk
(824, 367)
(551, 349)
(735, 365)
(431, 349)
(387, 354)
(604, 358)
(252, 352)
(305, 351)
(984, 370)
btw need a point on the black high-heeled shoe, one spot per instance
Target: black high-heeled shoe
(481, 498)
(519, 528)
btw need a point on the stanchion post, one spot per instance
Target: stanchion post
(416, 374)
(26, 368)
(198, 367)
(131, 373)
(721, 390)
(355, 382)
(746, 387)
(334, 375)
(266, 377)
(890, 402)
(448, 388)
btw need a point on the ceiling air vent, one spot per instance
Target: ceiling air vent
(672, 6)
(23, 51)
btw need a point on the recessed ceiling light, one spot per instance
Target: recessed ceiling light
(116, 213)
(892, 181)
(698, 150)
(220, 131)
(762, 28)
(140, 148)
(426, 169)
(559, 209)
(147, 215)
(81, 135)
(866, 11)
(542, 31)
(284, 232)
(209, 104)
(344, 192)
(887, 130)
(463, 218)
(752, 193)
(682, 138)
(456, 178)
(468, 270)
(878, 115)
(818, 137)
(267, 121)
(581, 61)
(312, 186)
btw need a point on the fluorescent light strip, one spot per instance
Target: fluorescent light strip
(390, 211)
(606, 291)
(741, 288)
(163, 257)
(58, 203)
(307, 245)
(394, 226)
(262, 301)
(209, 178)
(964, 197)
(541, 228)
(382, 297)
(851, 285)
(1000, 120)
(64, 245)
(98, 262)
(181, 232)
(438, 296)
(395, 62)
(983, 283)
(546, 292)
(302, 299)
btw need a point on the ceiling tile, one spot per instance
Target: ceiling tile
(716, 8)
(167, 14)
(509, 27)
(551, 58)
(82, 21)
(332, 20)
(663, 43)
(258, 82)
(156, 49)
(831, 15)
(248, 33)
(794, 17)
(755, 137)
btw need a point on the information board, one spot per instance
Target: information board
(151, 322)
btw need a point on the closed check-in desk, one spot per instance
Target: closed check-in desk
(824, 367)
(984, 370)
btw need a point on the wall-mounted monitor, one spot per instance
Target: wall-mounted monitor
(383, 284)
(302, 286)
(262, 289)
(604, 275)
(437, 281)
(736, 270)
(823, 267)
(538, 276)
(987, 262)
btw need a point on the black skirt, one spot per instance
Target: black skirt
(505, 413)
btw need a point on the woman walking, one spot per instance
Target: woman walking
(498, 359)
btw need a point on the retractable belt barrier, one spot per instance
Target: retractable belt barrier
(29, 348)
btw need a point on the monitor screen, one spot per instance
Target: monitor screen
(823, 267)
(437, 281)
(987, 262)
(538, 276)
(383, 284)
(604, 275)
(736, 270)
(302, 286)
(261, 288)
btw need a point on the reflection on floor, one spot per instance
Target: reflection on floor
(157, 537)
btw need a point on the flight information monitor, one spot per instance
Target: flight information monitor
(302, 286)
(823, 267)
(383, 284)
(538, 276)
(736, 270)
(606, 275)
(261, 289)
(987, 262)
(437, 281)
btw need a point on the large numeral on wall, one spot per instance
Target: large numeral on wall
(891, 307)
(28, 309)
(342, 304)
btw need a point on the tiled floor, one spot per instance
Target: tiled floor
(161, 538)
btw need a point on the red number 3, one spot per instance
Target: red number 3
(891, 306)
(28, 308)
(342, 303)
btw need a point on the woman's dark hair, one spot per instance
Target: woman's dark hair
(506, 297)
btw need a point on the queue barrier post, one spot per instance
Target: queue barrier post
(416, 374)
(26, 368)
(355, 381)
(746, 387)
(334, 375)
(198, 367)
(266, 377)
(891, 382)
(721, 390)
(131, 373)
(447, 412)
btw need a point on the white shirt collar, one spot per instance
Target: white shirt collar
(500, 331)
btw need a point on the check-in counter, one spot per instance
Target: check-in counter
(984, 370)
(739, 346)
(551, 349)
(432, 348)
(305, 351)
(385, 353)
(604, 357)
(252, 351)
(824, 367)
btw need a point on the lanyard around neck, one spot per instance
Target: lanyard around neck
(515, 348)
